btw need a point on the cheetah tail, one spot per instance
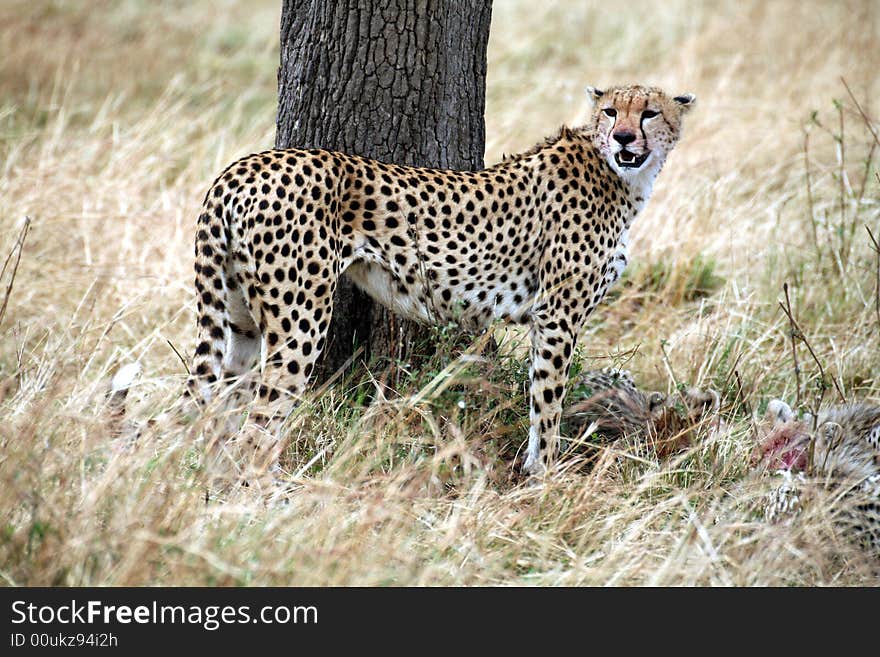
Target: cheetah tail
(211, 253)
(118, 393)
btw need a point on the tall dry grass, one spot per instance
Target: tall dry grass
(114, 118)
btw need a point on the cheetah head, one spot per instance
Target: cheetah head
(784, 440)
(635, 127)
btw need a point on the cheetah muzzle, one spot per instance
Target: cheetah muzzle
(628, 160)
(536, 239)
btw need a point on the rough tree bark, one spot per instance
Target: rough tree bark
(400, 81)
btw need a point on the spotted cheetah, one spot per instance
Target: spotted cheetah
(612, 405)
(537, 239)
(842, 452)
(844, 445)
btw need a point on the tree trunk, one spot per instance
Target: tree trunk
(401, 81)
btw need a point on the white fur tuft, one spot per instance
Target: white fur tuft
(780, 411)
(124, 377)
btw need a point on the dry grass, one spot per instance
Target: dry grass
(114, 118)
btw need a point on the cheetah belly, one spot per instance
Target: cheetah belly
(383, 286)
(473, 308)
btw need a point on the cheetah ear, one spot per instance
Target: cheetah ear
(656, 400)
(594, 94)
(832, 432)
(778, 411)
(686, 101)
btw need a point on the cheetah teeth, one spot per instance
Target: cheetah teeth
(630, 160)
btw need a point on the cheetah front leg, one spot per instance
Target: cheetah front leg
(551, 354)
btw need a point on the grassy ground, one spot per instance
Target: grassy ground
(115, 117)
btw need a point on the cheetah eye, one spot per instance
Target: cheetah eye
(610, 111)
(649, 114)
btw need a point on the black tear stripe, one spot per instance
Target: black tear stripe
(642, 125)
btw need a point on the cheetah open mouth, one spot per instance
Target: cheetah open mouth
(785, 448)
(627, 160)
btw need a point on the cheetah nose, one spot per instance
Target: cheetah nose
(624, 138)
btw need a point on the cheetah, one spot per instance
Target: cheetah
(839, 450)
(535, 239)
(610, 403)
(844, 445)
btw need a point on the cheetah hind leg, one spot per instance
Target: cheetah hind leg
(243, 347)
(292, 350)
(245, 444)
